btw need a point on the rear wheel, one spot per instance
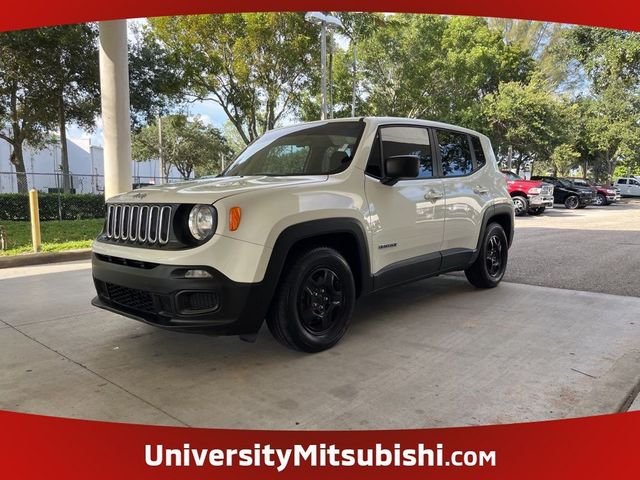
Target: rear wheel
(521, 204)
(314, 302)
(572, 202)
(489, 267)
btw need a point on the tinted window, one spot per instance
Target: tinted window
(479, 153)
(308, 150)
(633, 182)
(409, 141)
(622, 181)
(455, 153)
(511, 175)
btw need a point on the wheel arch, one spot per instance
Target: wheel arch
(502, 214)
(346, 235)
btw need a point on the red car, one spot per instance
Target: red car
(529, 196)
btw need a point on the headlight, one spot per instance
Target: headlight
(203, 221)
(534, 191)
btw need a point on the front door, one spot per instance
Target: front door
(406, 219)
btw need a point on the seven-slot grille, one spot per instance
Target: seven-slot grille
(144, 224)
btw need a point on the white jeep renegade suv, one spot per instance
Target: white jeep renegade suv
(306, 220)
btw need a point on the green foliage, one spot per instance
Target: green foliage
(15, 206)
(56, 235)
(253, 65)
(189, 145)
(155, 82)
(531, 120)
(437, 67)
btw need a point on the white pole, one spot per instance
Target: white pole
(323, 61)
(114, 92)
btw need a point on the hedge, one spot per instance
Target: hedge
(72, 206)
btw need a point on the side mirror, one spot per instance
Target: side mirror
(400, 166)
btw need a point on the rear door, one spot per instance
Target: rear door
(406, 219)
(467, 187)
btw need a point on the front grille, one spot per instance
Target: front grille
(130, 297)
(546, 189)
(138, 224)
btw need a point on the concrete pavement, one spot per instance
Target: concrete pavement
(433, 353)
(595, 249)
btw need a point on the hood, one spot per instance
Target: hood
(210, 190)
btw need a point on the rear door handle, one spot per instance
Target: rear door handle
(432, 195)
(480, 190)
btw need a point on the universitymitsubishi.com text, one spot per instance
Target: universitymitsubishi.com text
(317, 455)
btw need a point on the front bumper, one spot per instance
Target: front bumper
(159, 295)
(537, 201)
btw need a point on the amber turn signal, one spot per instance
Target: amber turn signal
(235, 213)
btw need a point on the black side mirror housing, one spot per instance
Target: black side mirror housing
(400, 166)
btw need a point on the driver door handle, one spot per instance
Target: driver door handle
(480, 190)
(432, 195)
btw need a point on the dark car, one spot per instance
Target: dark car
(567, 193)
(604, 195)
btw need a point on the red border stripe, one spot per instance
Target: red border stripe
(623, 14)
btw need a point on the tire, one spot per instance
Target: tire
(484, 273)
(572, 202)
(600, 200)
(314, 301)
(537, 211)
(521, 204)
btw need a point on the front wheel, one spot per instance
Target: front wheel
(488, 269)
(521, 204)
(600, 200)
(313, 304)
(572, 202)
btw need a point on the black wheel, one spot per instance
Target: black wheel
(314, 302)
(489, 267)
(572, 202)
(600, 200)
(521, 204)
(536, 211)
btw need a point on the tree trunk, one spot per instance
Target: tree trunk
(64, 152)
(17, 159)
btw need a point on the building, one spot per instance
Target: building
(86, 168)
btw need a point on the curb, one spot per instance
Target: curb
(46, 257)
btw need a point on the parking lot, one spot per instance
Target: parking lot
(560, 337)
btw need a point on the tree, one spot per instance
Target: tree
(437, 67)
(528, 120)
(357, 26)
(156, 86)
(189, 145)
(253, 65)
(608, 61)
(26, 110)
(71, 66)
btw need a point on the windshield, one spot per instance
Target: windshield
(318, 149)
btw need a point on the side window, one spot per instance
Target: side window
(409, 141)
(479, 152)
(633, 182)
(455, 153)
(622, 181)
(374, 165)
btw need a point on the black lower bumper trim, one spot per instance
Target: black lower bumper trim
(162, 297)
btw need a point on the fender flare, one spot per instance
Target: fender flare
(491, 212)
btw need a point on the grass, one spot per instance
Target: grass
(56, 235)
